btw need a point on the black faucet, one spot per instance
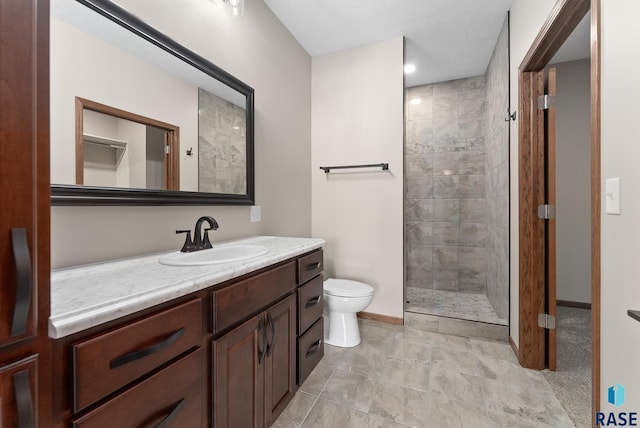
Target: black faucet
(199, 242)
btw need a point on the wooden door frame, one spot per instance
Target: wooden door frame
(564, 17)
(172, 132)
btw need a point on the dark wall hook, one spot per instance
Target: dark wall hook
(510, 115)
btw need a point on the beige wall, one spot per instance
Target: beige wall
(527, 18)
(357, 118)
(116, 78)
(620, 238)
(260, 51)
(573, 181)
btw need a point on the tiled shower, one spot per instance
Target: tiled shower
(457, 195)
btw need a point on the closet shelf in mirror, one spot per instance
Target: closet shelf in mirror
(119, 146)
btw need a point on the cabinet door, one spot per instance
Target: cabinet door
(23, 170)
(280, 368)
(238, 376)
(18, 394)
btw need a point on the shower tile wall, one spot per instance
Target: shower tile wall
(457, 194)
(446, 214)
(497, 168)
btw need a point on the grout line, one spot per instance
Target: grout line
(317, 396)
(309, 411)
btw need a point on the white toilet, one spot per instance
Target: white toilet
(343, 298)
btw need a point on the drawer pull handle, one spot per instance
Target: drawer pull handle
(312, 266)
(273, 333)
(24, 281)
(24, 399)
(313, 348)
(172, 414)
(263, 332)
(312, 302)
(136, 355)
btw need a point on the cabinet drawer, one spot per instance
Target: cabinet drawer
(239, 301)
(170, 398)
(309, 266)
(310, 303)
(310, 350)
(109, 361)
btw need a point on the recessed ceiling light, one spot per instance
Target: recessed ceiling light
(409, 68)
(416, 101)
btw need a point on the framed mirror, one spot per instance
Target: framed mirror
(138, 119)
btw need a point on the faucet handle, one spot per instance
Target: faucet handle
(188, 243)
(206, 243)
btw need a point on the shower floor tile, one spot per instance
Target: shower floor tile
(452, 304)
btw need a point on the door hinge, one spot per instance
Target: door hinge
(546, 211)
(167, 150)
(547, 321)
(545, 102)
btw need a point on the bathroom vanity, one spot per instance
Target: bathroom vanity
(138, 343)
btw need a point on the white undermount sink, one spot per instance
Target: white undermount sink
(216, 255)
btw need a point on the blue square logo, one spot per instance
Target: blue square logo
(616, 395)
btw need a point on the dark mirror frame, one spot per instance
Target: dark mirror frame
(62, 194)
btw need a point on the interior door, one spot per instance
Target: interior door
(550, 227)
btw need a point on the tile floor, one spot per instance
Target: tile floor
(452, 304)
(404, 377)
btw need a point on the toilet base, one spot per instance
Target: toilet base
(342, 330)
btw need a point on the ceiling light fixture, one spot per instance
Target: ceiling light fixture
(415, 101)
(234, 8)
(409, 68)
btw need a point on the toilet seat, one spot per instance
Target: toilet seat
(347, 288)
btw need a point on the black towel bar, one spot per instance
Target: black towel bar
(384, 166)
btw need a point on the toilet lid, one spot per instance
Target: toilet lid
(347, 288)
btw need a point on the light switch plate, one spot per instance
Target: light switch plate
(612, 196)
(254, 214)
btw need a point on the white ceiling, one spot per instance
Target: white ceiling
(445, 39)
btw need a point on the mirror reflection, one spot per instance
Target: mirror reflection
(115, 148)
(148, 118)
(222, 149)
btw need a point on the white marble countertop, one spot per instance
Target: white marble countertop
(87, 296)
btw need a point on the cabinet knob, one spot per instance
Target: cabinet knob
(273, 333)
(24, 281)
(263, 332)
(166, 422)
(312, 266)
(312, 301)
(313, 348)
(24, 399)
(136, 355)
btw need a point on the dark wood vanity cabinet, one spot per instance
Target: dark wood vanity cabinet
(254, 364)
(258, 365)
(120, 356)
(254, 375)
(24, 220)
(227, 356)
(146, 371)
(170, 398)
(310, 308)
